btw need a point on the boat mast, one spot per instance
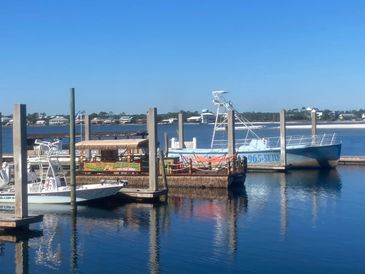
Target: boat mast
(220, 102)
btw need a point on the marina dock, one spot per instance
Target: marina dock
(11, 221)
(174, 181)
(352, 160)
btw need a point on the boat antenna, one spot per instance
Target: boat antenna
(223, 106)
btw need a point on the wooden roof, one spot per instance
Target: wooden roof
(93, 134)
(112, 144)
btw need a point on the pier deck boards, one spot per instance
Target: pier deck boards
(9, 221)
(253, 167)
(352, 160)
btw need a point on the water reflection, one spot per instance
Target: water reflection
(319, 185)
(74, 240)
(154, 260)
(217, 220)
(21, 240)
(222, 206)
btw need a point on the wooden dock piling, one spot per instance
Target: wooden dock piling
(314, 126)
(231, 133)
(152, 146)
(153, 191)
(231, 139)
(20, 161)
(87, 127)
(283, 161)
(20, 218)
(72, 150)
(87, 131)
(181, 130)
(1, 141)
(166, 144)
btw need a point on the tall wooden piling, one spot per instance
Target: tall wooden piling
(231, 139)
(20, 160)
(283, 161)
(231, 133)
(166, 145)
(163, 170)
(72, 150)
(87, 132)
(87, 127)
(314, 125)
(1, 141)
(181, 130)
(152, 146)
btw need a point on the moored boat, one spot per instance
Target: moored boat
(47, 183)
(320, 151)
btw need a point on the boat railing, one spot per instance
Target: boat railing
(274, 142)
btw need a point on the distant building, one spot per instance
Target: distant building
(126, 120)
(169, 121)
(319, 114)
(207, 117)
(5, 120)
(58, 121)
(40, 122)
(309, 109)
(9, 123)
(363, 116)
(108, 122)
(141, 121)
(347, 116)
(96, 121)
(194, 119)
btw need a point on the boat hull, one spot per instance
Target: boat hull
(297, 157)
(83, 194)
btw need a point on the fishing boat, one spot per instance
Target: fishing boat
(320, 151)
(47, 183)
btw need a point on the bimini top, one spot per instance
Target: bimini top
(113, 144)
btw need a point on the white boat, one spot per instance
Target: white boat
(47, 183)
(319, 151)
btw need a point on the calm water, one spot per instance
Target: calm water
(301, 222)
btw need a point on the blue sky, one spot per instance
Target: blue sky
(127, 56)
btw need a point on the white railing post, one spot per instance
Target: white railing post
(323, 137)
(333, 138)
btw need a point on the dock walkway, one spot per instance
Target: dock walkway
(352, 160)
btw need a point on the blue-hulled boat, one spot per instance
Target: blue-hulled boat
(320, 151)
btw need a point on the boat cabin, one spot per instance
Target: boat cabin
(113, 156)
